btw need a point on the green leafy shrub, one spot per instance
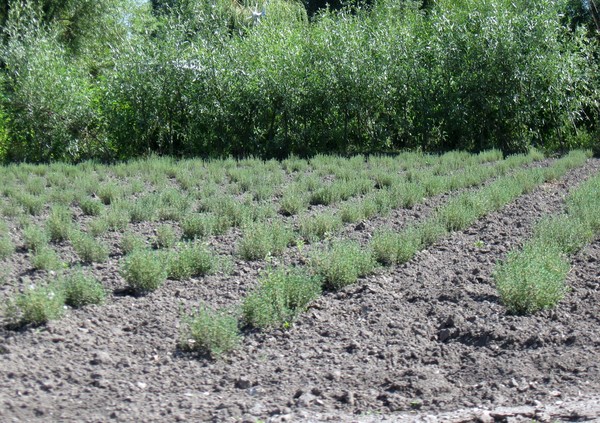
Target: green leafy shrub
(351, 211)
(51, 106)
(280, 297)
(319, 226)
(231, 210)
(292, 202)
(37, 305)
(34, 205)
(342, 263)
(430, 231)
(131, 242)
(45, 258)
(35, 185)
(144, 209)
(59, 223)
(391, 248)
(81, 290)
(11, 209)
(192, 259)
(98, 226)
(584, 204)
(117, 216)
(109, 192)
(173, 205)
(34, 237)
(565, 232)
(262, 239)
(324, 195)
(532, 279)
(458, 213)
(90, 207)
(209, 332)
(166, 237)
(7, 247)
(144, 271)
(204, 224)
(88, 248)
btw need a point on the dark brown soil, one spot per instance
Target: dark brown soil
(425, 341)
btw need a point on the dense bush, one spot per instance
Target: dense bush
(189, 80)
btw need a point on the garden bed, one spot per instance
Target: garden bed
(428, 337)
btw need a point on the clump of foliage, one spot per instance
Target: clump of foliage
(144, 271)
(81, 290)
(532, 279)
(192, 259)
(194, 78)
(45, 258)
(342, 263)
(319, 226)
(7, 247)
(391, 247)
(131, 242)
(209, 332)
(89, 249)
(263, 239)
(59, 224)
(292, 202)
(280, 297)
(34, 237)
(91, 207)
(37, 305)
(166, 237)
(204, 224)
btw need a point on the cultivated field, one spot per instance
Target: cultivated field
(359, 288)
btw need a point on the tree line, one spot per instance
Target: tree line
(114, 79)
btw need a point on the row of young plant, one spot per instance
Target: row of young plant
(283, 293)
(381, 190)
(262, 239)
(181, 184)
(533, 277)
(145, 269)
(112, 211)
